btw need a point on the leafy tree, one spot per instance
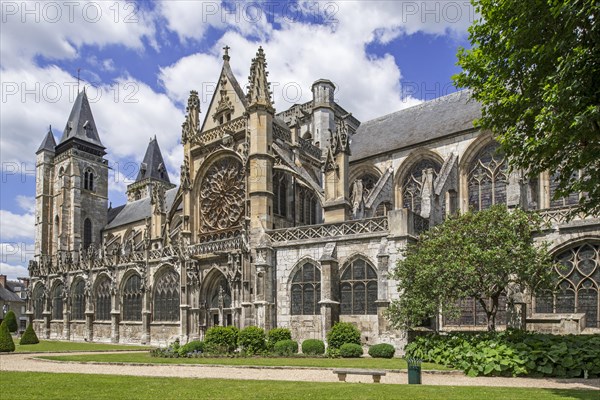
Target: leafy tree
(10, 320)
(475, 255)
(6, 342)
(534, 67)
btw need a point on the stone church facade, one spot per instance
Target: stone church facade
(280, 219)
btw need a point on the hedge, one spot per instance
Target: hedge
(342, 333)
(195, 346)
(277, 334)
(512, 353)
(29, 336)
(252, 340)
(313, 347)
(6, 342)
(351, 350)
(382, 350)
(221, 339)
(10, 319)
(285, 347)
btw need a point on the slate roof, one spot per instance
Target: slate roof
(153, 165)
(49, 143)
(81, 123)
(427, 121)
(8, 295)
(138, 210)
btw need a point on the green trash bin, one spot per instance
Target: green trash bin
(414, 371)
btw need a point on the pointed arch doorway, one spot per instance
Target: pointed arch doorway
(217, 300)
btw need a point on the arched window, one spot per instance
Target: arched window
(102, 297)
(88, 179)
(280, 194)
(487, 178)
(57, 301)
(383, 208)
(307, 206)
(132, 299)
(78, 300)
(166, 297)
(412, 184)
(87, 233)
(38, 302)
(306, 290)
(573, 198)
(578, 269)
(358, 287)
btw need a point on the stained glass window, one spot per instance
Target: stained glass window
(57, 301)
(132, 299)
(573, 198)
(38, 302)
(358, 287)
(78, 300)
(102, 300)
(487, 178)
(412, 185)
(472, 313)
(578, 271)
(306, 290)
(166, 297)
(280, 194)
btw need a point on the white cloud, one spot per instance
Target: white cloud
(57, 29)
(27, 203)
(13, 272)
(16, 226)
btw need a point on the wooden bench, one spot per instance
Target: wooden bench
(341, 373)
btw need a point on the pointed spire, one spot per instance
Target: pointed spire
(81, 123)
(153, 165)
(226, 57)
(48, 143)
(258, 87)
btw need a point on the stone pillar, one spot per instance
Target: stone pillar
(330, 281)
(263, 294)
(427, 193)
(89, 325)
(336, 168)
(513, 189)
(66, 322)
(114, 326)
(383, 301)
(47, 315)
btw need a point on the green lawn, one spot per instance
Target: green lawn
(32, 385)
(54, 345)
(382, 363)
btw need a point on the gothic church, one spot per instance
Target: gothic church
(280, 219)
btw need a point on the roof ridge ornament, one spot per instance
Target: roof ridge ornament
(226, 57)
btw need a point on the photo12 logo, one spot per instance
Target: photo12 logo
(53, 92)
(69, 11)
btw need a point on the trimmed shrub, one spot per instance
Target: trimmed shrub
(221, 339)
(195, 346)
(252, 340)
(10, 319)
(6, 342)
(512, 353)
(276, 335)
(342, 333)
(285, 347)
(313, 347)
(351, 350)
(382, 350)
(29, 336)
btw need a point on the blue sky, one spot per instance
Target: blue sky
(139, 60)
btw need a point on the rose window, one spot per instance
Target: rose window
(222, 195)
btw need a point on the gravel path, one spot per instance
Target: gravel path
(27, 362)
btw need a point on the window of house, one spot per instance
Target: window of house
(78, 300)
(57, 301)
(487, 178)
(280, 194)
(571, 199)
(88, 179)
(578, 271)
(358, 286)
(412, 184)
(166, 297)
(102, 300)
(306, 290)
(132, 299)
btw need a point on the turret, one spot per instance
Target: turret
(44, 170)
(323, 111)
